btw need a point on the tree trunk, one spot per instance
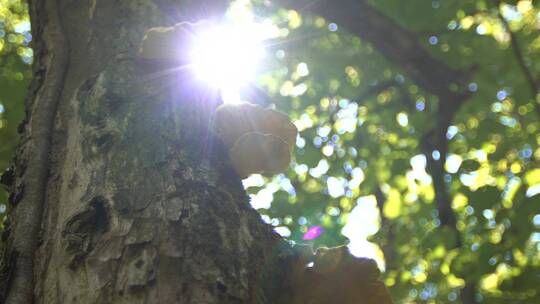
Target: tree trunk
(122, 194)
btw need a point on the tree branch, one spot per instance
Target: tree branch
(375, 89)
(400, 46)
(434, 140)
(518, 53)
(388, 248)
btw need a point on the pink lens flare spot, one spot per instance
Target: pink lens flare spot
(313, 233)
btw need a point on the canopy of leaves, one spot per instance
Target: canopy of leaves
(364, 162)
(363, 123)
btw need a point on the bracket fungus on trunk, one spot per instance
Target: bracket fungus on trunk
(333, 275)
(259, 140)
(170, 43)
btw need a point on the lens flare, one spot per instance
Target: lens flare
(313, 233)
(226, 57)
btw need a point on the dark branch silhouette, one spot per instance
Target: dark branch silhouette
(518, 53)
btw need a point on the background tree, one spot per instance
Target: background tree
(424, 112)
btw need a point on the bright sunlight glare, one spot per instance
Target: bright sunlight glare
(362, 222)
(227, 57)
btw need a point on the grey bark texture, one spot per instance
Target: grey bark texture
(122, 193)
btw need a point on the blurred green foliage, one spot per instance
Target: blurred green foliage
(15, 72)
(361, 122)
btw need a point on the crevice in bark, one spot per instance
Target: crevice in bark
(8, 177)
(82, 230)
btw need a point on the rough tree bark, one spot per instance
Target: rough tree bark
(121, 194)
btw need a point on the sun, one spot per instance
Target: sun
(227, 56)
